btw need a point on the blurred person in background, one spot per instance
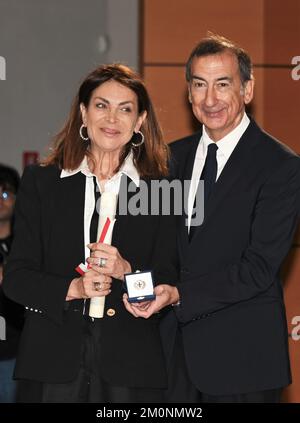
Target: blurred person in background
(9, 310)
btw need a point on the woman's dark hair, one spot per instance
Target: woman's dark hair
(69, 149)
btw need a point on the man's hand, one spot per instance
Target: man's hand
(165, 295)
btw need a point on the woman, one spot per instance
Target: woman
(111, 142)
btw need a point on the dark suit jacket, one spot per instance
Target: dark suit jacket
(48, 245)
(232, 311)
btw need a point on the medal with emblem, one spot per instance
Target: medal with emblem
(139, 284)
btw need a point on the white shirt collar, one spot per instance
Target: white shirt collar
(227, 144)
(128, 168)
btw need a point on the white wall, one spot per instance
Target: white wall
(49, 46)
(123, 32)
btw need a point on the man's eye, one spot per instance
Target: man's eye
(199, 84)
(100, 105)
(126, 109)
(223, 84)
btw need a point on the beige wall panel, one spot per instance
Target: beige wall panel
(292, 392)
(282, 106)
(291, 277)
(281, 31)
(167, 88)
(172, 28)
(257, 104)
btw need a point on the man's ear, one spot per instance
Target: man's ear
(248, 90)
(189, 94)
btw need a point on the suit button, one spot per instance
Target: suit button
(111, 312)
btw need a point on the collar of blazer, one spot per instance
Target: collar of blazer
(65, 205)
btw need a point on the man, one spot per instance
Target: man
(229, 302)
(10, 312)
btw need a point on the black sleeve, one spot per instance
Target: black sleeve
(24, 279)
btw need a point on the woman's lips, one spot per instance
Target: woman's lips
(110, 132)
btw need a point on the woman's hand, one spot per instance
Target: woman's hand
(115, 265)
(91, 284)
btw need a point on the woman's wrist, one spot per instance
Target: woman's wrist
(126, 269)
(73, 291)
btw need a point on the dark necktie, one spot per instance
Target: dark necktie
(208, 175)
(209, 172)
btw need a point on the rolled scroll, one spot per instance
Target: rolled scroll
(108, 205)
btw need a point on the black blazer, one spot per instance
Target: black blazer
(232, 313)
(48, 245)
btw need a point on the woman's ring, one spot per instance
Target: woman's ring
(102, 262)
(97, 286)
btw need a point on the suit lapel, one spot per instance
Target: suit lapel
(186, 175)
(69, 198)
